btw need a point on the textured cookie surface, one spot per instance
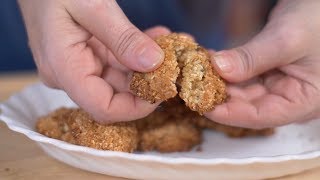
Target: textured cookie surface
(55, 125)
(77, 127)
(201, 86)
(159, 85)
(166, 130)
(122, 136)
(187, 69)
(171, 128)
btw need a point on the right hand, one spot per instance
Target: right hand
(87, 48)
(274, 77)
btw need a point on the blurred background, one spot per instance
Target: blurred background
(216, 24)
(14, 52)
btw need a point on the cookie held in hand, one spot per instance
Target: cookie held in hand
(186, 69)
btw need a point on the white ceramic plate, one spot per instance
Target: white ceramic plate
(292, 149)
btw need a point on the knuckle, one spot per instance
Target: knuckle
(128, 40)
(247, 64)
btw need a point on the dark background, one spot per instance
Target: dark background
(204, 19)
(179, 15)
(14, 51)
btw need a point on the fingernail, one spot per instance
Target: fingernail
(223, 63)
(149, 58)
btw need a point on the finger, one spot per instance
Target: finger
(268, 111)
(109, 59)
(108, 106)
(106, 56)
(106, 21)
(120, 80)
(82, 83)
(273, 106)
(157, 31)
(78, 72)
(117, 79)
(248, 93)
(275, 46)
(99, 49)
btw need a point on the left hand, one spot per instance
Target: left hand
(87, 48)
(284, 61)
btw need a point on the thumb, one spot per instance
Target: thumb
(272, 47)
(105, 20)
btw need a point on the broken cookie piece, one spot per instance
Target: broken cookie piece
(187, 69)
(158, 85)
(78, 127)
(166, 132)
(201, 86)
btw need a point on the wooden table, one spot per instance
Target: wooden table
(20, 158)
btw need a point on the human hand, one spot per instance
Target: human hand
(284, 62)
(87, 48)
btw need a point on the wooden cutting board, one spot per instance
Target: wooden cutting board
(20, 158)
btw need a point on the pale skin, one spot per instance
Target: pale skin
(284, 60)
(88, 48)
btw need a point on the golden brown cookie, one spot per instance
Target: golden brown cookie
(170, 137)
(201, 87)
(167, 132)
(122, 136)
(171, 128)
(186, 68)
(54, 125)
(158, 85)
(77, 127)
